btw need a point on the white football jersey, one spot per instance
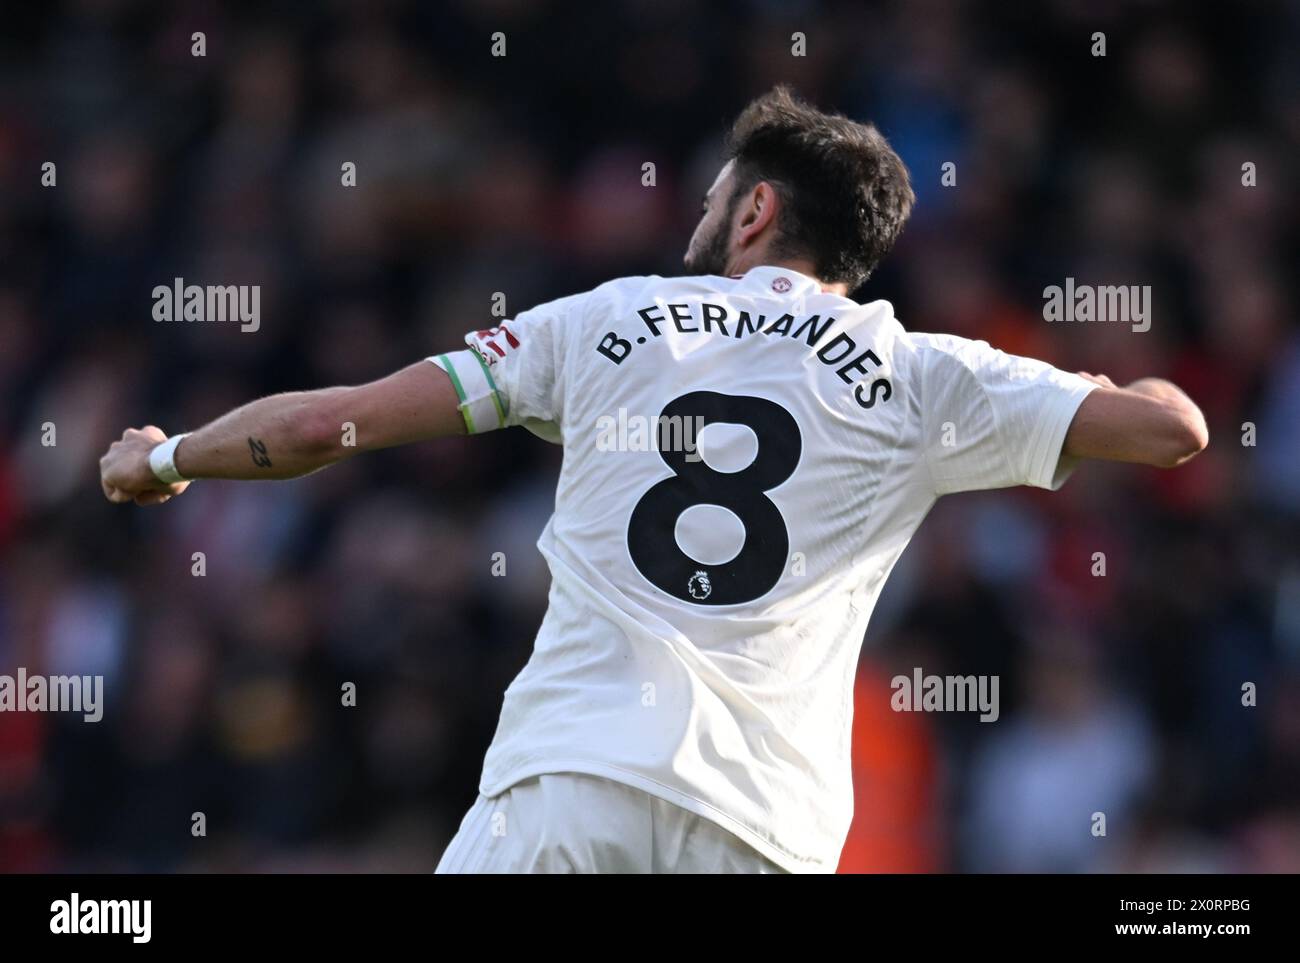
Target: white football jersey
(744, 461)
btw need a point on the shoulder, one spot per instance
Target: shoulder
(659, 285)
(613, 291)
(951, 354)
(622, 294)
(937, 346)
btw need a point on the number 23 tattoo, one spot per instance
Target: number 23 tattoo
(258, 451)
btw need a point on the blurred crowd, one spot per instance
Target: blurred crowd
(522, 175)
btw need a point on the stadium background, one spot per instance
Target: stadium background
(522, 175)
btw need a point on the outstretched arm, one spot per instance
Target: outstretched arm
(291, 434)
(1150, 422)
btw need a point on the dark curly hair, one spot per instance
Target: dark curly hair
(845, 194)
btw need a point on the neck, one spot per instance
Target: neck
(744, 261)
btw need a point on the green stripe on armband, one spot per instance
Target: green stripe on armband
(450, 368)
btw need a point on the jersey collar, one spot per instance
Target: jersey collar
(778, 280)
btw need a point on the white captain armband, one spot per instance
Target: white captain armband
(481, 403)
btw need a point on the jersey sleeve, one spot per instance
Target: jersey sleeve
(992, 419)
(513, 374)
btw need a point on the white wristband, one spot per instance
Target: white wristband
(162, 459)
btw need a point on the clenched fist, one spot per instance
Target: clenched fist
(124, 470)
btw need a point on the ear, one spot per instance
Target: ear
(757, 212)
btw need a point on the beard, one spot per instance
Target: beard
(711, 258)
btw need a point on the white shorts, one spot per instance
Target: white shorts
(569, 822)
